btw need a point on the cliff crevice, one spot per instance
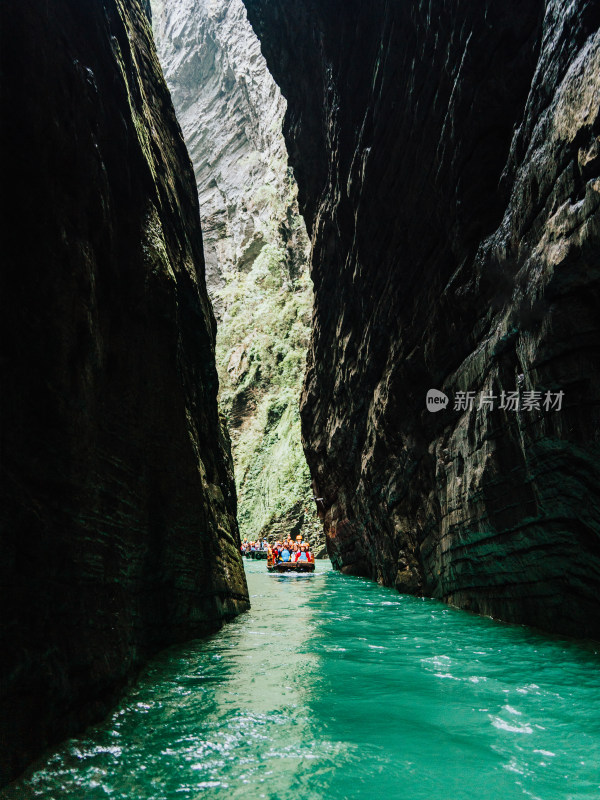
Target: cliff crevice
(256, 246)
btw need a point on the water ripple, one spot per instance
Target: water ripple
(333, 687)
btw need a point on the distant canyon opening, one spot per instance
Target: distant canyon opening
(256, 250)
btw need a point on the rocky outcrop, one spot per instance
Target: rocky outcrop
(256, 247)
(119, 533)
(447, 160)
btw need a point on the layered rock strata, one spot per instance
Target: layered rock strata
(119, 531)
(447, 159)
(256, 246)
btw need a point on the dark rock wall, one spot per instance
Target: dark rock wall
(119, 533)
(447, 158)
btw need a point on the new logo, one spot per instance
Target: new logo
(436, 400)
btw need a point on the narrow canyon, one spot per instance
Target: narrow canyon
(370, 300)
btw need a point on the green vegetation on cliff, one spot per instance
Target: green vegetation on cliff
(261, 349)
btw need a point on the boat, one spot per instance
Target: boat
(291, 566)
(259, 554)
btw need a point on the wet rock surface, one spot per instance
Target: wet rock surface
(447, 162)
(119, 533)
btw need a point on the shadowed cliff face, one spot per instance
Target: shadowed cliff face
(118, 527)
(447, 160)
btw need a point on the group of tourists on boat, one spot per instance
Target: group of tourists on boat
(290, 551)
(281, 556)
(252, 546)
(286, 550)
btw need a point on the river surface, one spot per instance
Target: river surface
(334, 687)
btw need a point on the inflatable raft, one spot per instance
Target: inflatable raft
(292, 566)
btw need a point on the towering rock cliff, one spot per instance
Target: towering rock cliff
(447, 159)
(231, 112)
(119, 533)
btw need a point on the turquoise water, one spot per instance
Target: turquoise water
(333, 687)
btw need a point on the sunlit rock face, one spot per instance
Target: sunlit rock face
(256, 246)
(447, 160)
(230, 110)
(119, 533)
